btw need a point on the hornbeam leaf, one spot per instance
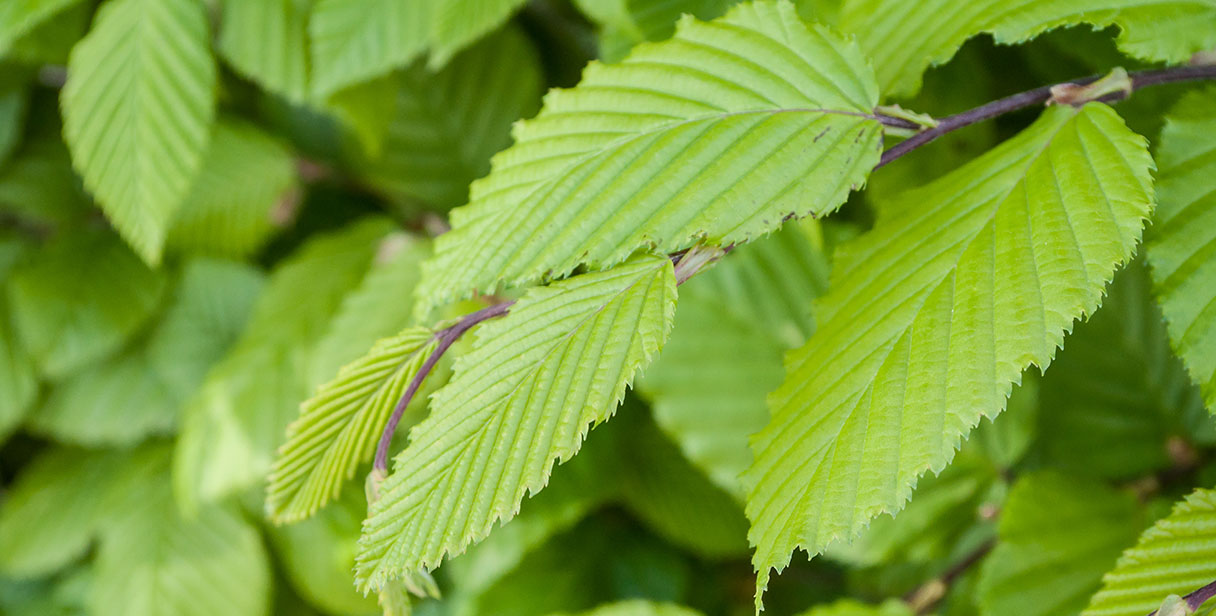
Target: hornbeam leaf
(267, 41)
(904, 38)
(533, 385)
(734, 323)
(340, 425)
(852, 607)
(716, 135)
(931, 319)
(637, 607)
(137, 108)
(460, 22)
(1176, 555)
(354, 41)
(1182, 241)
(1057, 536)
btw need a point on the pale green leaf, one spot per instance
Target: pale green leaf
(357, 40)
(79, 298)
(533, 385)
(904, 38)
(18, 17)
(18, 374)
(637, 607)
(457, 23)
(231, 428)
(154, 561)
(244, 192)
(932, 317)
(267, 41)
(1176, 555)
(318, 555)
(442, 133)
(52, 512)
(1057, 536)
(1182, 240)
(1116, 396)
(137, 108)
(852, 607)
(379, 307)
(340, 425)
(735, 321)
(716, 135)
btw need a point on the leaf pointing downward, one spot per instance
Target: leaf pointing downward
(932, 317)
(534, 383)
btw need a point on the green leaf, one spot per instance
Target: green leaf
(231, 428)
(1057, 536)
(638, 607)
(457, 23)
(904, 38)
(1116, 396)
(358, 40)
(1175, 555)
(715, 136)
(51, 41)
(534, 383)
(53, 511)
(38, 184)
(442, 133)
(14, 103)
(137, 108)
(154, 561)
(80, 298)
(378, 308)
(267, 41)
(852, 607)
(735, 321)
(244, 192)
(1182, 240)
(19, 17)
(18, 374)
(931, 319)
(340, 425)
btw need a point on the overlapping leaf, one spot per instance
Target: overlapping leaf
(1057, 536)
(460, 22)
(243, 193)
(354, 41)
(138, 106)
(933, 316)
(18, 375)
(1175, 556)
(1182, 240)
(904, 38)
(851, 607)
(18, 17)
(734, 322)
(443, 133)
(637, 607)
(268, 42)
(716, 135)
(526, 394)
(232, 427)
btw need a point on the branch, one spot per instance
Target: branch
(1039, 96)
(927, 595)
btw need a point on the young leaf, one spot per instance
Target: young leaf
(154, 561)
(243, 194)
(442, 133)
(932, 317)
(231, 428)
(1057, 536)
(1175, 555)
(267, 41)
(137, 108)
(460, 22)
(905, 38)
(354, 41)
(80, 298)
(53, 511)
(1182, 240)
(19, 17)
(735, 321)
(340, 425)
(525, 395)
(716, 135)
